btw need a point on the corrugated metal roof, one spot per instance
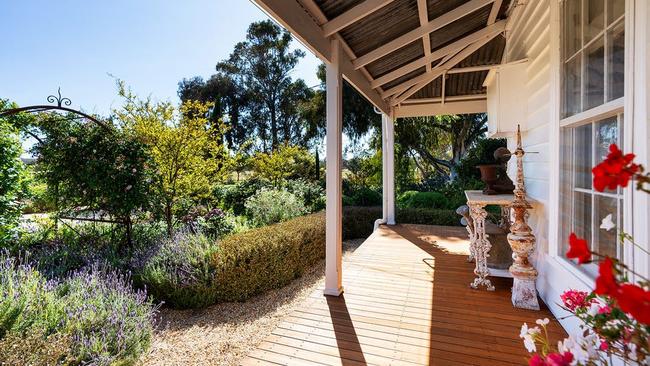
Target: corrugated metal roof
(400, 17)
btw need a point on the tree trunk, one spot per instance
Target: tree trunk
(274, 128)
(317, 163)
(169, 218)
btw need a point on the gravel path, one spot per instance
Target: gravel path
(222, 334)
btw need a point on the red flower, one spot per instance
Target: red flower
(574, 299)
(537, 360)
(579, 249)
(559, 359)
(606, 282)
(616, 170)
(553, 359)
(635, 301)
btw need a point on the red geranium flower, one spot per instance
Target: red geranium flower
(579, 249)
(634, 300)
(559, 359)
(606, 282)
(616, 170)
(536, 360)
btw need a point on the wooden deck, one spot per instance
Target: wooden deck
(406, 302)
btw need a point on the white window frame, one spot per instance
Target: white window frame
(603, 111)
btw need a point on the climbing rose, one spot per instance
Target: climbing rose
(616, 170)
(536, 360)
(579, 249)
(573, 299)
(634, 300)
(606, 282)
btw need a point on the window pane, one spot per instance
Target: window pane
(583, 156)
(615, 8)
(616, 61)
(594, 74)
(605, 242)
(572, 24)
(606, 134)
(594, 18)
(582, 215)
(572, 87)
(566, 185)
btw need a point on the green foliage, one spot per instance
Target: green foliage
(359, 222)
(428, 216)
(214, 223)
(87, 166)
(93, 312)
(185, 149)
(269, 257)
(271, 206)
(179, 272)
(193, 271)
(414, 199)
(311, 193)
(287, 162)
(481, 153)
(233, 197)
(35, 348)
(364, 196)
(11, 174)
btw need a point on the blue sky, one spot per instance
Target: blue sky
(150, 44)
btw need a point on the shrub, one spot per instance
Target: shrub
(272, 206)
(413, 199)
(179, 271)
(233, 196)
(427, 216)
(366, 197)
(358, 222)
(11, 173)
(269, 257)
(214, 222)
(312, 194)
(95, 310)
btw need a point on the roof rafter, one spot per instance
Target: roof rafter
(441, 52)
(365, 8)
(419, 32)
(494, 13)
(421, 81)
(423, 14)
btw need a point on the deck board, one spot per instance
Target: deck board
(407, 302)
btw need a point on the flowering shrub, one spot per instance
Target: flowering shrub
(615, 316)
(91, 317)
(269, 206)
(179, 270)
(214, 222)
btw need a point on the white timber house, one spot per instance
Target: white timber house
(574, 74)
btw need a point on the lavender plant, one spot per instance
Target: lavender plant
(95, 309)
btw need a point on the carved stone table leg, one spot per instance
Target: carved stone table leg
(481, 248)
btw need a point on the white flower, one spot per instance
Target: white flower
(128, 188)
(543, 322)
(524, 331)
(529, 343)
(632, 353)
(607, 223)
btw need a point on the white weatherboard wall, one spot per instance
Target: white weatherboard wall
(533, 37)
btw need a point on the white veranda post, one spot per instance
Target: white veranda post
(334, 204)
(388, 168)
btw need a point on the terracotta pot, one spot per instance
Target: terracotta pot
(489, 177)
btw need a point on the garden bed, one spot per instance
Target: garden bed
(222, 334)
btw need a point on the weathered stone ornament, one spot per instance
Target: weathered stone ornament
(522, 242)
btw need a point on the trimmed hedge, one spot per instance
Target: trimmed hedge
(358, 222)
(249, 263)
(269, 257)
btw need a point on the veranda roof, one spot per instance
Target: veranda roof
(405, 53)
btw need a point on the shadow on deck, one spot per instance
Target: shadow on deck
(406, 302)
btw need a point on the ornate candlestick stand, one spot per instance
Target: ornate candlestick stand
(522, 242)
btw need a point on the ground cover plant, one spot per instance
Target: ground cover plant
(93, 316)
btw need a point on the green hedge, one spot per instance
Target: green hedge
(269, 257)
(246, 264)
(358, 222)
